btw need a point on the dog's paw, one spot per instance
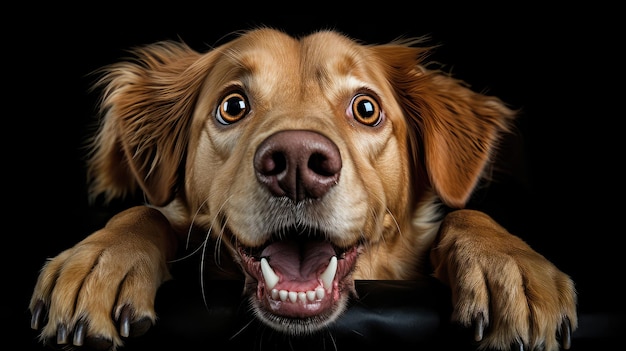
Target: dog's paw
(512, 296)
(98, 292)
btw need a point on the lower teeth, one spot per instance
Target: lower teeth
(308, 296)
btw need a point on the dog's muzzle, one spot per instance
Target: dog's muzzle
(300, 276)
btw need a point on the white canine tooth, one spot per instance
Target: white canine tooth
(320, 293)
(302, 296)
(310, 295)
(329, 274)
(293, 296)
(283, 295)
(271, 279)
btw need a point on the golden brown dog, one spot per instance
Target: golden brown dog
(310, 162)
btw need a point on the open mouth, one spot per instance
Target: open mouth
(300, 275)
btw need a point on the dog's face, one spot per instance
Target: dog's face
(300, 161)
(290, 141)
(314, 161)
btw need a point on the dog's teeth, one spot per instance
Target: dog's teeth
(328, 275)
(302, 296)
(271, 279)
(320, 293)
(293, 296)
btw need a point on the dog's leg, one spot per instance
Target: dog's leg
(104, 288)
(510, 293)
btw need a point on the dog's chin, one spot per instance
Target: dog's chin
(298, 284)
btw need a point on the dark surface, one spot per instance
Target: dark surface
(560, 188)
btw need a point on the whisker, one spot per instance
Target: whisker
(196, 250)
(394, 220)
(216, 251)
(193, 219)
(332, 339)
(202, 266)
(241, 329)
(189, 231)
(218, 239)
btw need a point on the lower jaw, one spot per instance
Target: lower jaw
(304, 325)
(305, 322)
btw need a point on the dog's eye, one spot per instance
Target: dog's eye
(365, 110)
(232, 108)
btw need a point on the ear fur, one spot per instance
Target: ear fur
(453, 131)
(146, 108)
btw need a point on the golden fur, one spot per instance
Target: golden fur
(197, 134)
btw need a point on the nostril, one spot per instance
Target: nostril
(272, 164)
(320, 164)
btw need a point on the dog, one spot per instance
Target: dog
(308, 162)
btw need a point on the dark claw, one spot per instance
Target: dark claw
(79, 334)
(566, 333)
(125, 316)
(136, 328)
(62, 335)
(479, 327)
(37, 313)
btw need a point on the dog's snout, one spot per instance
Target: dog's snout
(298, 164)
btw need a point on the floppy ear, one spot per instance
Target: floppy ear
(147, 106)
(453, 131)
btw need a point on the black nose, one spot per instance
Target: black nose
(298, 164)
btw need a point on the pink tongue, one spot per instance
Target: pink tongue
(298, 260)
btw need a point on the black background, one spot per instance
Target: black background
(561, 67)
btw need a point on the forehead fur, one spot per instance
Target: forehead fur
(317, 59)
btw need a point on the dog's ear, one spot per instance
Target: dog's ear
(453, 131)
(147, 106)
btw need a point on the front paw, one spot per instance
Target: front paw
(98, 292)
(512, 296)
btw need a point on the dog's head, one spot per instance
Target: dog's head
(312, 160)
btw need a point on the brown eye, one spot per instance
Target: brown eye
(233, 107)
(365, 109)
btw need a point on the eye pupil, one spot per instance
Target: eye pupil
(234, 105)
(365, 109)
